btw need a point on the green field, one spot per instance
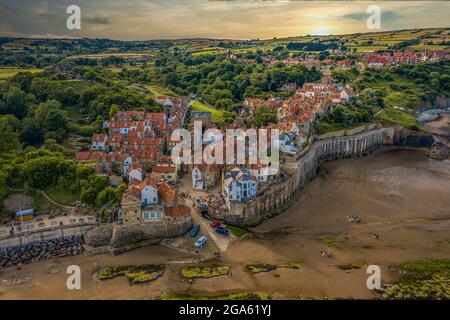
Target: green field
(399, 104)
(159, 91)
(6, 73)
(218, 116)
(368, 48)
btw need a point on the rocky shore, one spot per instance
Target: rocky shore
(41, 250)
(439, 151)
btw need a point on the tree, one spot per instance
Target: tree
(9, 138)
(3, 187)
(88, 196)
(32, 133)
(339, 114)
(113, 110)
(99, 183)
(43, 172)
(106, 195)
(15, 103)
(115, 168)
(22, 80)
(263, 116)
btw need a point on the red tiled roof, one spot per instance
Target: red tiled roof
(166, 193)
(177, 211)
(135, 165)
(98, 138)
(83, 156)
(161, 169)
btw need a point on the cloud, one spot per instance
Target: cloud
(97, 20)
(241, 19)
(362, 16)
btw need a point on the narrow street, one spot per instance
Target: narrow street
(221, 241)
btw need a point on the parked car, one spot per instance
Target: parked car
(201, 242)
(216, 224)
(223, 231)
(195, 230)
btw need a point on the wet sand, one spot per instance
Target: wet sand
(400, 194)
(441, 126)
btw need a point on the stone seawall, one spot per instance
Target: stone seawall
(119, 236)
(304, 169)
(41, 250)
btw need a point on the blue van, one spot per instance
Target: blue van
(195, 230)
(201, 242)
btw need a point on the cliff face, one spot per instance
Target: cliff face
(441, 102)
(409, 138)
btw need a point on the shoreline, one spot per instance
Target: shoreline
(301, 170)
(409, 231)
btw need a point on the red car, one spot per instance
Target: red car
(216, 224)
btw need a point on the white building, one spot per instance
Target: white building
(126, 164)
(239, 186)
(147, 190)
(197, 180)
(99, 142)
(260, 172)
(149, 193)
(287, 144)
(135, 172)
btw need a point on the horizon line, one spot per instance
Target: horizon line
(67, 37)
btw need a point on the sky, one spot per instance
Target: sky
(224, 19)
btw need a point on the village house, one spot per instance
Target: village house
(135, 172)
(288, 145)
(261, 172)
(148, 190)
(131, 208)
(395, 58)
(147, 202)
(299, 112)
(106, 162)
(167, 194)
(166, 173)
(205, 176)
(238, 186)
(99, 142)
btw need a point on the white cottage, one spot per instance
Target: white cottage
(135, 172)
(239, 185)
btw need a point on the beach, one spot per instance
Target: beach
(401, 196)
